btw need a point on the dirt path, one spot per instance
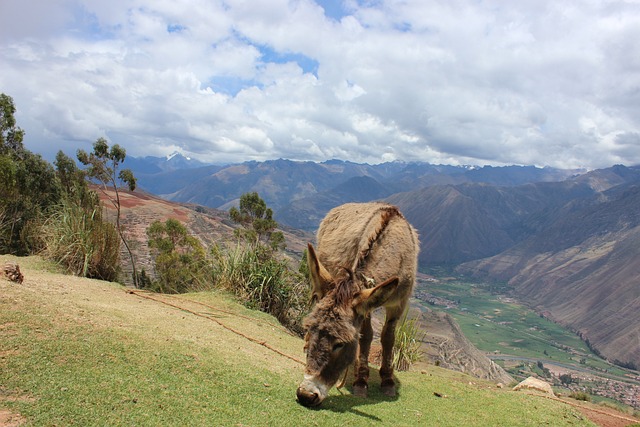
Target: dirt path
(605, 418)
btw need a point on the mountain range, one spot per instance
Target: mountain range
(567, 242)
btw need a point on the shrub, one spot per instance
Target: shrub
(180, 262)
(580, 395)
(28, 189)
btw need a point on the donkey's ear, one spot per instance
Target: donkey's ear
(321, 279)
(369, 299)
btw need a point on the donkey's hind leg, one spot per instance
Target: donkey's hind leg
(388, 338)
(361, 384)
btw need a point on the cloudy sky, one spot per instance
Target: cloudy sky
(550, 83)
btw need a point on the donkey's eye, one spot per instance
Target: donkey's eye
(338, 346)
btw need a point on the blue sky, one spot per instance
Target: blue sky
(461, 82)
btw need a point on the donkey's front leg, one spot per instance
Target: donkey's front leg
(388, 338)
(361, 384)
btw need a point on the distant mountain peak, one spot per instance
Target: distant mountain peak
(178, 155)
(153, 165)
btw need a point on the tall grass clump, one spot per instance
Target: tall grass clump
(261, 281)
(78, 239)
(406, 349)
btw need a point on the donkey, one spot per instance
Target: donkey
(367, 257)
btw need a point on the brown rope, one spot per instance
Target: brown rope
(262, 343)
(231, 313)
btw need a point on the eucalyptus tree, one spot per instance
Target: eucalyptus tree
(103, 165)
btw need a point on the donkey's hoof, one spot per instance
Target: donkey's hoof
(360, 390)
(389, 391)
(388, 388)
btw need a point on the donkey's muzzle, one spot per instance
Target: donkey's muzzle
(307, 398)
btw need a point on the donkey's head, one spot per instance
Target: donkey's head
(333, 327)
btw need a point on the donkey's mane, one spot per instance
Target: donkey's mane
(345, 289)
(386, 213)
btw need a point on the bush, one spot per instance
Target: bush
(28, 189)
(580, 395)
(180, 263)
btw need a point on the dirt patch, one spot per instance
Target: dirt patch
(11, 419)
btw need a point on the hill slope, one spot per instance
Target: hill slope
(84, 352)
(211, 226)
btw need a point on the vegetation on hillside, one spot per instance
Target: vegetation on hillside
(51, 210)
(28, 186)
(525, 343)
(258, 225)
(253, 267)
(406, 348)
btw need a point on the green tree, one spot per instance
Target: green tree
(567, 379)
(28, 186)
(102, 165)
(28, 189)
(73, 183)
(10, 134)
(257, 221)
(180, 260)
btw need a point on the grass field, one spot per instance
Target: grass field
(77, 352)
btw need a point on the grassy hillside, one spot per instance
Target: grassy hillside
(83, 352)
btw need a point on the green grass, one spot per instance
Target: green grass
(78, 352)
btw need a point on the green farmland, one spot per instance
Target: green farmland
(500, 326)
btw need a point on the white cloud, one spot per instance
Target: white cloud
(527, 82)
